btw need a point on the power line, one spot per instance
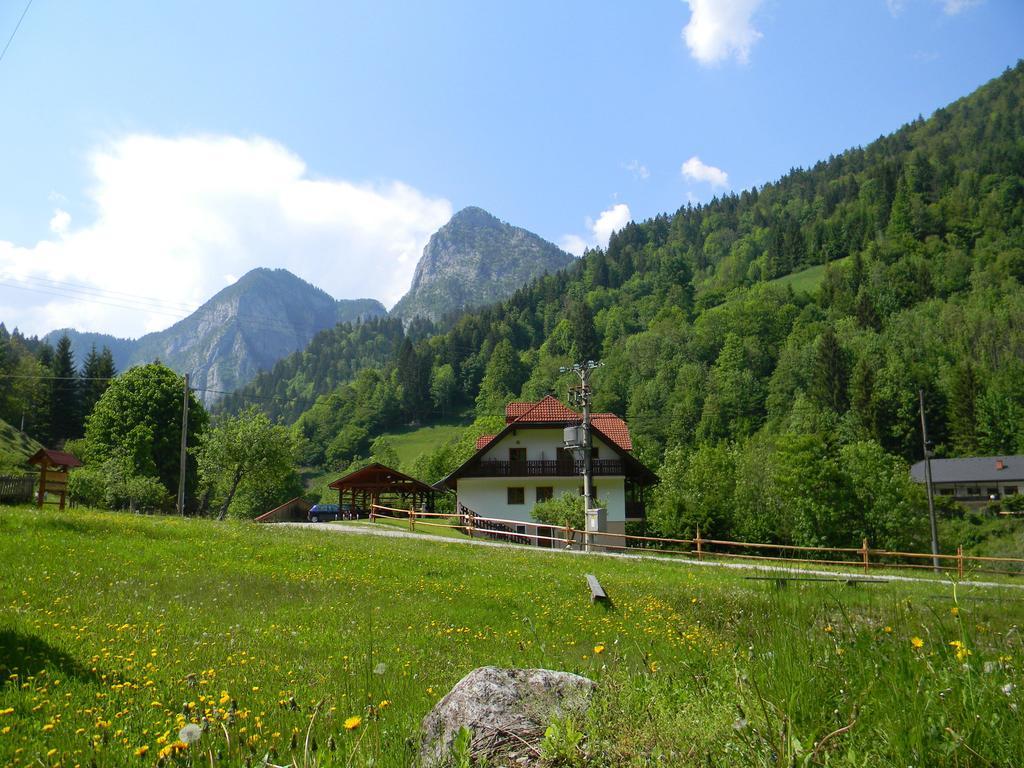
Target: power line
(16, 28)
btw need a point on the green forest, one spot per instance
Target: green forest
(772, 409)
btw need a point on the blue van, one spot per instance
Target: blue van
(323, 512)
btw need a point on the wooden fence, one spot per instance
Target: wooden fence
(17, 489)
(698, 548)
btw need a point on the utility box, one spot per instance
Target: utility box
(573, 437)
(597, 519)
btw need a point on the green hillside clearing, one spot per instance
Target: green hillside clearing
(412, 443)
(15, 448)
(278, 636)
(807, 280)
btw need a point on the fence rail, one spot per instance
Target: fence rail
(863, 558)
(17, 489)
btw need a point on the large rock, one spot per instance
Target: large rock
(506, 709)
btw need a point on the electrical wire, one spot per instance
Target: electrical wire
(16, 28)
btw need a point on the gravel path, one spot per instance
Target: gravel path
(367, 530)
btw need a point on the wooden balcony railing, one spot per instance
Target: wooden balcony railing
(552, 468)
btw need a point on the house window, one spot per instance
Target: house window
(945, 491)
(516, 495)
(517, 454)
(544, 493)
(1010, 490)
(974, 491)
(992, 493)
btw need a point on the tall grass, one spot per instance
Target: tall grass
(117, 631)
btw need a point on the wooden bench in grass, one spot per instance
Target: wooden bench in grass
(596, 590)
(781, 581)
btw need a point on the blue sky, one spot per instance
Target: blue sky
(153, 152)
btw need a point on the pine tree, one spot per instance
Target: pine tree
(831, 372)
(965, 389)
(97, 371)
(585, 343)
(65, 412)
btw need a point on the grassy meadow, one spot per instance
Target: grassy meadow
(303, 647)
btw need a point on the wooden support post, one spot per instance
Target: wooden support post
(472, 524)
(864, 553)
(568, 537)
(959, 561)
(412, 518)
(700, 554)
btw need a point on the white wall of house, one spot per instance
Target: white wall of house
(540, 444)
(488, 496)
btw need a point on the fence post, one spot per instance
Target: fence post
(864, 553)
(373, 510)
(568, 536)
(412, 518)
(700, 555)
(472, 524)
(960, 561)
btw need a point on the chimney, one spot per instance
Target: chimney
(1000, 464)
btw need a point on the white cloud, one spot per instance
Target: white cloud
(696, 170)
(953, 7)
(60, 222)
(719, 29)
(598, 232)
(176, 217)
(638, 169)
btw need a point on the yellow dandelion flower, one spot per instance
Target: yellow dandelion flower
(599, 648)
(51, 753)
(888, 630)
(384, 704)
(8, 711)
(48, 727)
(5, 730)
(141, 751)
(917, 642)
(962, 651)
(828, 628)
(353, 722)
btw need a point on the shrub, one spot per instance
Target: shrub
(564, 510)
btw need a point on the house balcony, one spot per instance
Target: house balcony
(553, 468)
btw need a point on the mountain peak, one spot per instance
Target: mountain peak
(475, 259)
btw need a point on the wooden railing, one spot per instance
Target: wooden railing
(864, 557)
(17, 489)
(542, 468)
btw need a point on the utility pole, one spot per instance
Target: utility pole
(184, 450)
(582, 397)
(928, 483)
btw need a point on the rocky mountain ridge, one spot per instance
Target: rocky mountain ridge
(242, 330)
(473, 260)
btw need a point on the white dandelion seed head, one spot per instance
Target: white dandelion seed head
(190, 734)
(380, 669)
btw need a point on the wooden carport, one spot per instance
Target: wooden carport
(378, 484)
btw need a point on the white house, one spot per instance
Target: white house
(526, 463)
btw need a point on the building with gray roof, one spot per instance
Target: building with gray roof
(974, 480)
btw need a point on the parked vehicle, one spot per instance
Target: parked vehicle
(324, 512)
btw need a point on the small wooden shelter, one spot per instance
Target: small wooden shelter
(53, 473)
(378, 484)
(296, 509)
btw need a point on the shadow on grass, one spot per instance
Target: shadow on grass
(27, 655)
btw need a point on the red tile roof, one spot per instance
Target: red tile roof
(549, 409)
(614, 428)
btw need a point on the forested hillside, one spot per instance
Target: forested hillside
(768, 413)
